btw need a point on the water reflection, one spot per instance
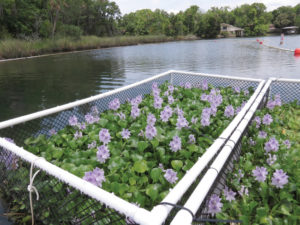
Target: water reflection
(30, 85)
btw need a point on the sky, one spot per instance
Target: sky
(127, 6)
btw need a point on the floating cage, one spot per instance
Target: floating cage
(67, 199)
(214, 180)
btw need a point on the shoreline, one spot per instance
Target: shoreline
(68, 46)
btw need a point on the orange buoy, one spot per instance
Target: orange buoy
(261, 42)
(297, 52)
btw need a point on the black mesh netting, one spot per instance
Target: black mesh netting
(58, 202)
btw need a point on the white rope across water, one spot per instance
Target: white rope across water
(32, 188)
(272, 46)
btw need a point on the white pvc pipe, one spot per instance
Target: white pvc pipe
(22, 119)
(159, 212)
(217, 76)
(200, 192)
(140, 215)
(162, 211)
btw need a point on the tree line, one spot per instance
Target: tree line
(34, 19)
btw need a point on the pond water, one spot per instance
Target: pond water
(30, 85)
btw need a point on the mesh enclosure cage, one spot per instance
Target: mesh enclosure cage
(289, 91)
(59, 202)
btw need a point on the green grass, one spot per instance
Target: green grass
(14, 48)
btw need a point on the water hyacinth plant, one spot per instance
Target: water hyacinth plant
(140, 149)
(264, 186)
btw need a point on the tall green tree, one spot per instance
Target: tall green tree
(284, 16)
(253, 18)
(191, 18)
(209, 25)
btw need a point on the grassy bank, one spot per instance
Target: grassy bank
(14, 48)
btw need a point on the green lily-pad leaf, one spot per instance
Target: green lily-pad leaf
(153, 191)
(155, 174)
(140, 166)
(142, 145)
(177, 164)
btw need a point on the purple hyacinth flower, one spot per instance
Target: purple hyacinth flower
(205, 121)
(271, 104)
(260, 173)
(95, 177)
(154, 85)
(158, 102)
(194, 120)
(204, 85)
(267, 120)
(252, 142)
(246, 92)
(171, 176)
(104, 136)
(179, 111)
(237, 89)
(81, 126)
(272, 145)
(166, 113)
(262, 134)
(125, 133)
(279, 178)
(73, 120)
(92, 145)
(171, 88)
(151, 132)
(52, 132)
(89, 118)
(229, 194)
(102, 153)
(151, 119)
(137, 100)
(213, 110)
(78, 135)
(188, 85)
(277, 100)
(135, 112)
(114, 104)
(166, 93)
(287, 143)
(192, 139)
(229, 111)
(214, 204)
(271, 159)
(170, 99)
(181, 122)
(204, 97)
(257, 120)
(175, 144)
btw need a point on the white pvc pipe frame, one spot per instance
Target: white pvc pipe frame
(202, 189)
(142, 216)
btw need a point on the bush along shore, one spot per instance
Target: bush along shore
(15, 48)
(264, 186)
(142, 148)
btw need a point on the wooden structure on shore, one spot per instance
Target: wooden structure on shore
(290, 30)
(231, 31)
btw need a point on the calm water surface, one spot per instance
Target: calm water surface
(30, 85)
